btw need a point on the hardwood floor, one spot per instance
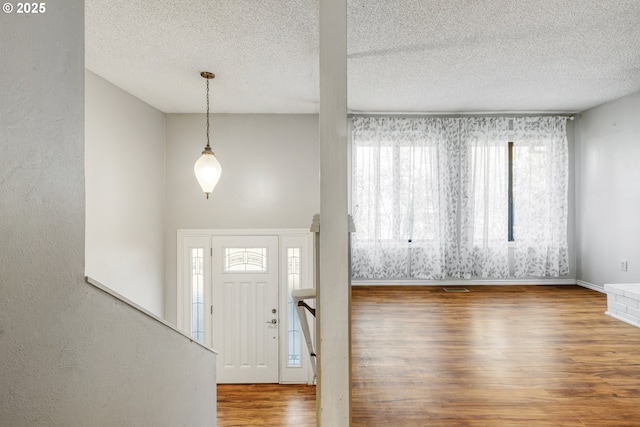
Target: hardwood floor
(495, 356)
(266, 405)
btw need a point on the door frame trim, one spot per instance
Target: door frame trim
(182, 291)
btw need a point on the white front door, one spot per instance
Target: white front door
(245, 308)
(245, 275)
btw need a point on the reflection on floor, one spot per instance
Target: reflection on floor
(495, 356)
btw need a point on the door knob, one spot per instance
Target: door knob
(272, 321)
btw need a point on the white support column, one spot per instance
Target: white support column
(334, 293)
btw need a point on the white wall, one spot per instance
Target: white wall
(608, 192)
(71, 355)
(124, 167)
(270, 177)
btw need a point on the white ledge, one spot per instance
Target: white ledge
(144, 311)
(623, 302)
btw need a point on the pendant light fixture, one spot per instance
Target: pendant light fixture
(207, 167)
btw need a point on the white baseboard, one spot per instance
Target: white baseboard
(599, 288)
(462, 282)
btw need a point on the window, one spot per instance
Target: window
(196, 278)
(392, 182)
(245, 260)
(293, 282)
(510, 223)
(438, 197)
(400, 168)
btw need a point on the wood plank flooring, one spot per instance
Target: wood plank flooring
(266, 405)
(496, 356)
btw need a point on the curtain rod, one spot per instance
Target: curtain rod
(569, 116)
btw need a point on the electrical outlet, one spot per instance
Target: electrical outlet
(623, 265)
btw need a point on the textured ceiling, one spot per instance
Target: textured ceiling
(445, 56)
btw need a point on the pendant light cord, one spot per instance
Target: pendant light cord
(208, 146)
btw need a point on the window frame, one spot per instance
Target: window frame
(510, 215)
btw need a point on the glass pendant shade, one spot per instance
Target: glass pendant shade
(208, 171)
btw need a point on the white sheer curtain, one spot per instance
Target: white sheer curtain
(402, 191)
(540, 181)
(430, 197)
(484, 246)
